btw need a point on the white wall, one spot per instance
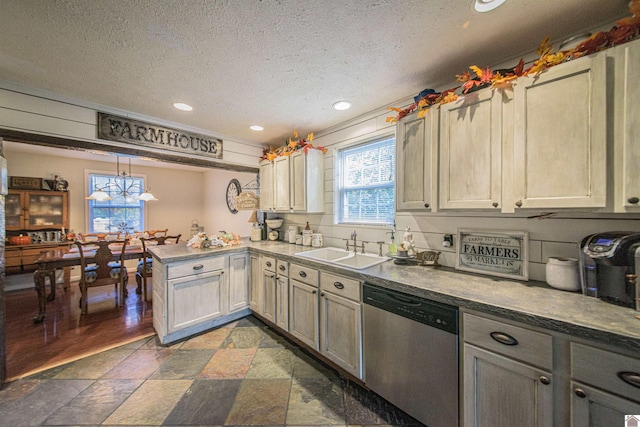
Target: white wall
(217, 216)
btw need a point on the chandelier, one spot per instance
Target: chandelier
(122, 184)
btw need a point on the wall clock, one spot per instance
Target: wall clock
(233, 190)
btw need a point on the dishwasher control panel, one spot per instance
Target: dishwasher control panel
(434, 314)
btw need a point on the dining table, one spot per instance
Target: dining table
(52, 260)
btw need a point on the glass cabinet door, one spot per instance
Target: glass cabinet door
(45, 210)
(13, 211)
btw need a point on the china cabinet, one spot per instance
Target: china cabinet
(36, 210)
(416, 162)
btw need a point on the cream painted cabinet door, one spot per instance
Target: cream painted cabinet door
(303, 313)
(266, 186)
(560, 137)
(470, 146)
(500, 392)
(307, 181)
(194, 299)
(627, 128)
(416, 162)
(594, 408)
(238, 282)
(256, 282)
(281, 184)
(268, 294)
(282, 302)
(340, 332)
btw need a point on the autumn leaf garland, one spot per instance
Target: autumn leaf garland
(293, 144)
(625, 30)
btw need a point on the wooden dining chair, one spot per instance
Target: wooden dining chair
(152, 233)
(99, 267)
(95, 237)
(145, 265)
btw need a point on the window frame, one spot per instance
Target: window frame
(90, 203)
(338, 189)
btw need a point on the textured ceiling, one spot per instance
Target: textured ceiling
(277, 63)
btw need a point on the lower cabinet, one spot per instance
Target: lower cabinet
(516, 376)
(303, 312)
(282, 295)
(501, 392)
(254, 286)
(194, 299)
(341, 322)
(267, 300)
(198, 294)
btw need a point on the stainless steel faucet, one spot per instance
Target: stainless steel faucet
(354, 236)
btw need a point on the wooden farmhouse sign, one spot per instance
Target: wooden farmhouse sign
(498, 253)
(247, 200)
(123, 129)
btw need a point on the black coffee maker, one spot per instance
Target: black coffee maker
(609, 263)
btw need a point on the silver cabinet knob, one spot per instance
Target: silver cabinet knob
(633, 200)
(580, 393)
(494, 204)
(544, 380)
(519, 204)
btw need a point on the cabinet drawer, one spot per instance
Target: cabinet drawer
(303, 274)
(519, 343)
(282, 268)
(268, 263)
(197, 266)
(606, 370)
(338, 285)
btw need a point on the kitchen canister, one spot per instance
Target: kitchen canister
(562, 273)
(298, 239)
(316, 240)
(293, 232)
(306, 237)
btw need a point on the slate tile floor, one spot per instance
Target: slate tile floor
(240, 374)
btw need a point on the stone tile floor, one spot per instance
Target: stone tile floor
(240, 374)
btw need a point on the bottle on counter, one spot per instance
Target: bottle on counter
(307, 227)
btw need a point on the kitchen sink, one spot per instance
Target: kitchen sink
(342, 257)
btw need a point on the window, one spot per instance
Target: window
(122, 213)
(366, 182)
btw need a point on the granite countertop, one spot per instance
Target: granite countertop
(532, 303)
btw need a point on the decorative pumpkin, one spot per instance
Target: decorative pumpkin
(19, 240)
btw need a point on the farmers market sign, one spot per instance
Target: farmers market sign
(501, 254)
(123, 129)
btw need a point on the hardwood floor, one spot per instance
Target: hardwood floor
(66, 335)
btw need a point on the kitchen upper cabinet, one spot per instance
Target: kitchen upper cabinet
(307, 181)
(416, 162)
(266, 186)
(560, 137)
(293, 183)
(281, 184)
(627, 127)
(36, 210)
(470, 145)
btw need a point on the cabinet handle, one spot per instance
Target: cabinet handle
(271, 276)
(282, 268)
(544, 380)
(302, 274)
(633, 200)
(631, 378)
(519, 204)
(580, 393)
(503, 338)
(494, 204)
(268, 263)
(426, 205)
(321, 294)
(338, 285)
(198, 267)
(314, 292)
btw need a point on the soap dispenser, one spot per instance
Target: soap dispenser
(392, 248)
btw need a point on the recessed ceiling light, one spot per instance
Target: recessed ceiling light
(487, 5)
(256, 127)
(342, 105)
(182, 106)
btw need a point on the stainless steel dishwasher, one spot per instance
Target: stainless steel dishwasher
(411, 354)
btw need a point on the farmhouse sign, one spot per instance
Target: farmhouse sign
(247, 200)
(501, 254)
(123, 129)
